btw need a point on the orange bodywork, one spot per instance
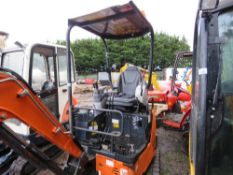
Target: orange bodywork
(65, 115)
(18, 101)
(108, 166)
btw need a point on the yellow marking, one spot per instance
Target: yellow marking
(192, 168)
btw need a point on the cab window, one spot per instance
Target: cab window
(43, 69)
(62, 66)
(51, 68)
(39, 74)
(14, 61)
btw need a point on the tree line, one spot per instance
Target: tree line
(90, 53)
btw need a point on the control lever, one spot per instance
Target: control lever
(95, 85)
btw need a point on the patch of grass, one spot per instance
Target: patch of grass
(83, 76)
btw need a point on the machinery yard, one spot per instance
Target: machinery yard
(97, 106)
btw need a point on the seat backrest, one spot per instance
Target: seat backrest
(129, 80)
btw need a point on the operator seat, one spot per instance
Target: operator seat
(130, 79)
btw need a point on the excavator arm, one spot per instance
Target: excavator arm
(18, 101)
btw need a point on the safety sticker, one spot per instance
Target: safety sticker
(202, 71)
(110, 163)
(115, 123)
(123, 172)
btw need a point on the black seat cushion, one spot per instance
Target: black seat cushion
(121, 101)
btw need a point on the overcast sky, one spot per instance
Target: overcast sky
(46, 20)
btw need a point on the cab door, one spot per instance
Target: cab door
(42, 76)
(62, 78)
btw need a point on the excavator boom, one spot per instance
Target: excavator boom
(20, 102)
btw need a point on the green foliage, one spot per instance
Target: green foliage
(90, 54)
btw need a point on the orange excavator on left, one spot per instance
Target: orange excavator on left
(19, 101)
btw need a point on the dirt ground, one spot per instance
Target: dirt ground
(173, 159)
(173, 156)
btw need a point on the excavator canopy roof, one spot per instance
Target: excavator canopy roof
(115, 22)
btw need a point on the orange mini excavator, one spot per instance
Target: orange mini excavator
(119, 138)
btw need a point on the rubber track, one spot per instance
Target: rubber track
(154, 168)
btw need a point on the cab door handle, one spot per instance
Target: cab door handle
(64, 90)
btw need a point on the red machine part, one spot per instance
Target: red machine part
(158, 96)
(65, 115)
(181, 123)
(171, 100)
(184, 96)
(18, 101)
